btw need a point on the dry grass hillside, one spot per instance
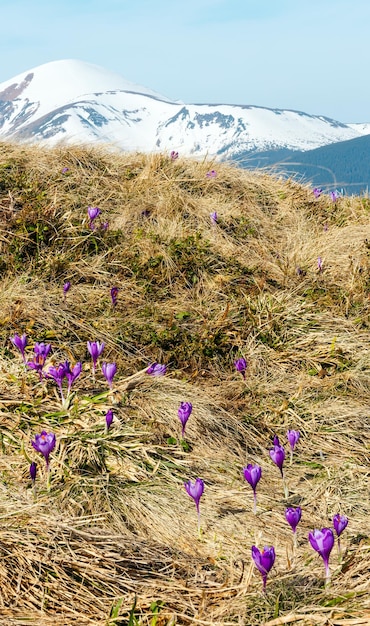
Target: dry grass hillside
(112, 540)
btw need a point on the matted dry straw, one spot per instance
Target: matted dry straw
(114, 541)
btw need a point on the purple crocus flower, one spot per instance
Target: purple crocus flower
(340, 523)
(174, 155)
(195, 491)
(184, 412)
(20, 343)
(252, 474)
(241, 366)
(65, 170)
(264, 561)
(293, 437)
(45, 444)
(317, 192)
(320, 264)
(113, 295)
(277, 454)
(156, 369)
(92, 213)
(211, 174)
(322, 541)
(104, 226)
(334, 195)
(66, 288)
(109, 370)
(293, 517)
(33, 471)
(95, 349)
(276, 441)
(109, 419)
(72, 374)
(59, 373)
(214, 217)
(41, 351)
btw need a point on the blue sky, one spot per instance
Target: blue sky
(309, 55)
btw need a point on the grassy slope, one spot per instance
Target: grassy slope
(117, 521)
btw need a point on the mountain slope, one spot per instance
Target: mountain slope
(77, 102)
(343, 164)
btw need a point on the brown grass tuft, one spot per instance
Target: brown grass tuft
(114, 540)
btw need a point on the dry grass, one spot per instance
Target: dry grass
(114, 541)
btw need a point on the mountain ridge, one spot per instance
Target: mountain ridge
(73, 101)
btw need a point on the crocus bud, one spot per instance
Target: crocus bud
(293, 517)
(174, 155)
(241, 366)
(322, 541)
(184, 412)
(195, 490)
(213, 217)
(33, 471)
(340, 523)
(263, 560)
(20, 343)
(109, 370)
(293, 437)
(277, 454)
(252, 474)
(114, 295)
(66, 287)
(109, 418)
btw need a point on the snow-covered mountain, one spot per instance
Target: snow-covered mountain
(76, 102)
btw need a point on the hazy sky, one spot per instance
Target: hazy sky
(310, 55)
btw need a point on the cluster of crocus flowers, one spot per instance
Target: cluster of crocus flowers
(252, 474)
(20, 343)
(323, 541)
(241, 366)
(61, 371)
(41, 351)
(184, 412)
(195, 490)
(263, 560)
(156, 369)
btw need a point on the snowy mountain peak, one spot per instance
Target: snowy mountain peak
(77, 102)
(58, 82)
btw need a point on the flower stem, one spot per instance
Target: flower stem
(327, 574)
(254, 503)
